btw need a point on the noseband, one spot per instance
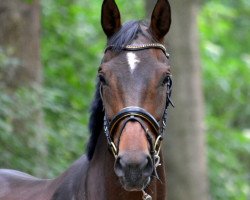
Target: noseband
(140, 115)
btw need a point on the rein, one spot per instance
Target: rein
(140, 115)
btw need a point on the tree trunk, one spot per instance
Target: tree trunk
(21, 79)
(185, 145)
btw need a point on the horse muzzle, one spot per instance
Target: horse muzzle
(134, 170)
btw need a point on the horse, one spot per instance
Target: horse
(127, 122)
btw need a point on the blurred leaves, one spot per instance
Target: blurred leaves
(70, 61)
(24, 104)
(225, 48)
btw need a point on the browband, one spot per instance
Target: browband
(141, 47)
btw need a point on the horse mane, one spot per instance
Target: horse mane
(128, 32)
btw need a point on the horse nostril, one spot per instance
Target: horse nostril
(147, 167)
(119, 167)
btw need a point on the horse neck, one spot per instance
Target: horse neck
(100, 171)
(103, 184)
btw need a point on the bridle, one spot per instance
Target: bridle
(140, 115)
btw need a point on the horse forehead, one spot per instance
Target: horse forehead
(131, 64)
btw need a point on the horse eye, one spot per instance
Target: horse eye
(102, 79)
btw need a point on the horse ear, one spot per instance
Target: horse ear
(110, 19)
(160, 19)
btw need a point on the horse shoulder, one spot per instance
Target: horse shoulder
(71, 184)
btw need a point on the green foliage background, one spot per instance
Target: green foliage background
(225, 48)
(72, 44)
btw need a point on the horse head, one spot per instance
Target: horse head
(135, 85)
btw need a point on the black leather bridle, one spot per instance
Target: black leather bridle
(140, 115)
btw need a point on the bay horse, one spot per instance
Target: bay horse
(127, 121)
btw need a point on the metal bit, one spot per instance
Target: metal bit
(146, 196)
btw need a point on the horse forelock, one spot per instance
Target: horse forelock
(128, 32)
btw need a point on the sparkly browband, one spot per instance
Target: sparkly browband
(141, 47)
